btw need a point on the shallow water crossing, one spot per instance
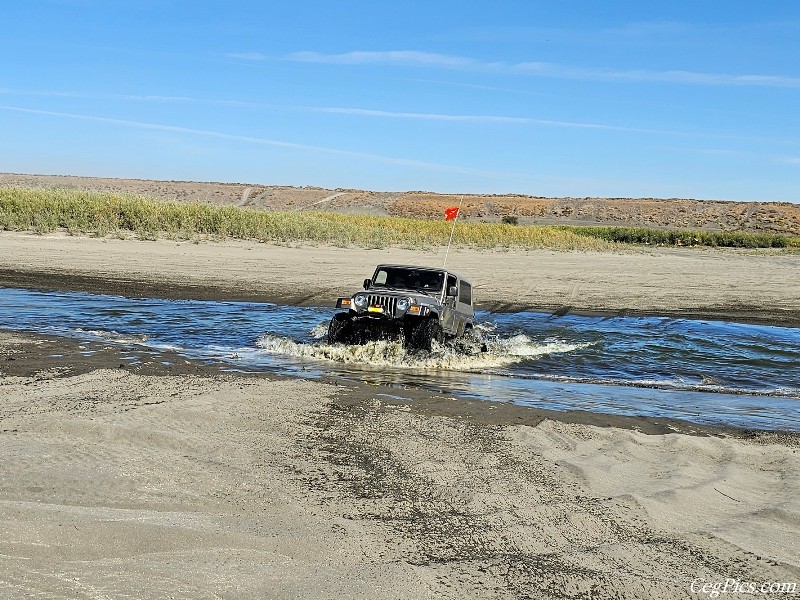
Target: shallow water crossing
(706, 372)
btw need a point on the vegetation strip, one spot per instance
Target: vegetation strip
(79, 212)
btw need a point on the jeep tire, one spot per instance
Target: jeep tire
(424, 333)
(340, 330)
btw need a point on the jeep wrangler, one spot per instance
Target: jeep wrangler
(422, 304)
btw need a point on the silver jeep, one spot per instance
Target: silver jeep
(422, 304)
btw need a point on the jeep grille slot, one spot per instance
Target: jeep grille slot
(389, 303)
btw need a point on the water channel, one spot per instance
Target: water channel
(707, 372)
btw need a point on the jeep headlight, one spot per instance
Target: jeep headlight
(360, 300)
(403, 304)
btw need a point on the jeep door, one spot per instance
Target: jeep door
(464, 310)
(449, 310)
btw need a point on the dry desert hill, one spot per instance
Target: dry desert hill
(771, 217)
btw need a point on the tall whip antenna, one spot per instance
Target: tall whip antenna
(452, 229)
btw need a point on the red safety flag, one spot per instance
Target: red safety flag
(450, 213)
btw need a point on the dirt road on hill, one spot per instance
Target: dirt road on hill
(714, 215)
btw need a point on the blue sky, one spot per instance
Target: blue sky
(559, 98)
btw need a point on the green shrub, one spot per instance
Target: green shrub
(687, 237)
(510, 219)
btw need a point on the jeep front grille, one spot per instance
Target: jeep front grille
(389, 303)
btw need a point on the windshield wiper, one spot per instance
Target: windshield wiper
(409, 289)
(426, 292)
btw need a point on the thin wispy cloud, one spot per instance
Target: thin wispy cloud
(418, 116)
(365, 112)
(648, 29)
(678, 30)
(478, 86)
(60, 94)
(392, 57)
(409, 58)
(132, 97)
(253, 56)
(750, 156)
(482, 119)
(408, 115)
(677, 76)
(262, 141)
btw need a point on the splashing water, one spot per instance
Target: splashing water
(464, 356)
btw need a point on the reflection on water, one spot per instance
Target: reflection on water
(702, 371)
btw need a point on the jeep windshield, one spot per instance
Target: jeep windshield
(429, 282)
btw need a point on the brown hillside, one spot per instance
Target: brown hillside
(774, 217)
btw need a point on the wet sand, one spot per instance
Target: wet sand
(746, 286)
(150, 480)
(162, 480)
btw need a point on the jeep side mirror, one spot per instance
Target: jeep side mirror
(452, 291)
(367, 283)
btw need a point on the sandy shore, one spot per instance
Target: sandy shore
(118, 483)
(181, 481)
(751, 286)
